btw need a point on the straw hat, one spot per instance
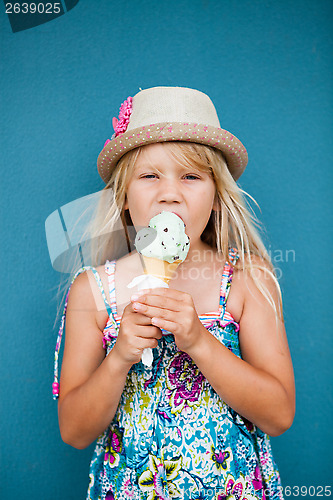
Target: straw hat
(162, 114)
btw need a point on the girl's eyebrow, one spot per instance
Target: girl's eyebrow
(147, 166)
(156, 166)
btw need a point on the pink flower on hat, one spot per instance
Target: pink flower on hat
(120, 125)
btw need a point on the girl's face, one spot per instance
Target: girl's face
(159, 182)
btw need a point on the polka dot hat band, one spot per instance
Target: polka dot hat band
(162, 114)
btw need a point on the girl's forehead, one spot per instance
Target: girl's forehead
(154, 151)
(168, 154)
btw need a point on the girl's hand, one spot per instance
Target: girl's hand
(174, 311)
(136, 333)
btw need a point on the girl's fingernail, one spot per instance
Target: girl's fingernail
(137, 307)
(134, 298)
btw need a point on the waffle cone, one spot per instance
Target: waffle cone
(160, 268)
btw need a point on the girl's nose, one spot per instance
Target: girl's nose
(170, 192)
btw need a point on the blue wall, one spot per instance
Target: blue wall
(267, 65)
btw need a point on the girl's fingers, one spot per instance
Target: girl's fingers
(141, 323)
(153, 332)
(144, 343)
(170, 326)
(143, 332)
(141, 319)
(151, 311)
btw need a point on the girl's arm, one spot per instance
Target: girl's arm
(91, 384)
(260, 387)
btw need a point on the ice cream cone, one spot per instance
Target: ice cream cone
(162, 241)
(160, 268)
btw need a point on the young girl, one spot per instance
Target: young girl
(195, 425)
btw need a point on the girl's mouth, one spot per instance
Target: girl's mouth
(172, 212)
(179, 216)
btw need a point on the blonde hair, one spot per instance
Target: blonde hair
(233, 224)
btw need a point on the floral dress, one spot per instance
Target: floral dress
(172, 436)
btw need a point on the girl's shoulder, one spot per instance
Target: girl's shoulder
(258, 271)
(85, 295)
(256, 284)
(247, 282)
(115, 277)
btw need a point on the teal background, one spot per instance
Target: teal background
(267, 66)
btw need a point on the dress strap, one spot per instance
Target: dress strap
(227, 278)
(110, 267)
(55, 385)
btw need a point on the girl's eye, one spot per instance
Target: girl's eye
(191, 177)
(148, 176)
(155, 176)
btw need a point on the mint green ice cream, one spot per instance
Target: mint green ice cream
(164, 238)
